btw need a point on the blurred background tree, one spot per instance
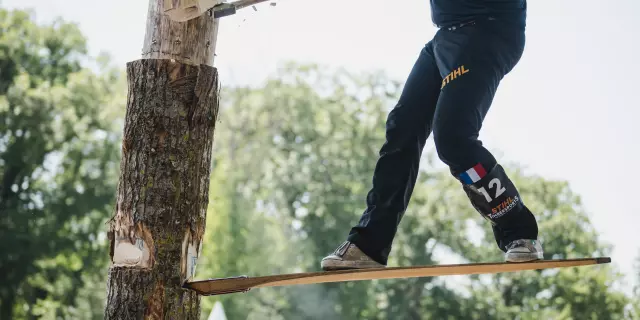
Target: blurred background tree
(292, 164)
(59, 153)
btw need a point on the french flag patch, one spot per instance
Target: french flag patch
(474, 174)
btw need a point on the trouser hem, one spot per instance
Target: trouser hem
(365, 246)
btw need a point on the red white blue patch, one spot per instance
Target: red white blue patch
(474, 174)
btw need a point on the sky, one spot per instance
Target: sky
(567, 111)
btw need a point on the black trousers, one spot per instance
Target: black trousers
(448, 92)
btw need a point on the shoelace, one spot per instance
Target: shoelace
(517, 243)
(342, 249)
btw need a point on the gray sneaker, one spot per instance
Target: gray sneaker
(523, 250)
(348, 256)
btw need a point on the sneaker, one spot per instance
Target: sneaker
(524, 250)
(348, 256)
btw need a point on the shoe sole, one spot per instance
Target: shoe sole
(513, 257)
(334, 265)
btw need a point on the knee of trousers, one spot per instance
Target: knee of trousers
(455, 149)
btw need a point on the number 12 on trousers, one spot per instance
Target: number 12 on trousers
(499, 189)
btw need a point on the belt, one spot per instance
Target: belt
(466, 23)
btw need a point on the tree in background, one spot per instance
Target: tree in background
(292, 165)
(253, 224)
(636, 292)
(59, 153)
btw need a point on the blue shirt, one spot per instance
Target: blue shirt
(451, 12)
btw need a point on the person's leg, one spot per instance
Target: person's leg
(473, 60)
(407, 128)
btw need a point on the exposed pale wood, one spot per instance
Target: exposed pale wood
(192, 41)
(241, 284)
(189, 3)
(185, 10)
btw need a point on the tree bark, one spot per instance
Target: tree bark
(158, 225)
(163, 192)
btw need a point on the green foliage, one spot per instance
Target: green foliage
(298, 162)
(292, 165)
(59, 157)
(635, 308)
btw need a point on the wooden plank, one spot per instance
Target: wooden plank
(244, 283)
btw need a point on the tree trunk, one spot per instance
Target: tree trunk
(6, 307)
(157, 229)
